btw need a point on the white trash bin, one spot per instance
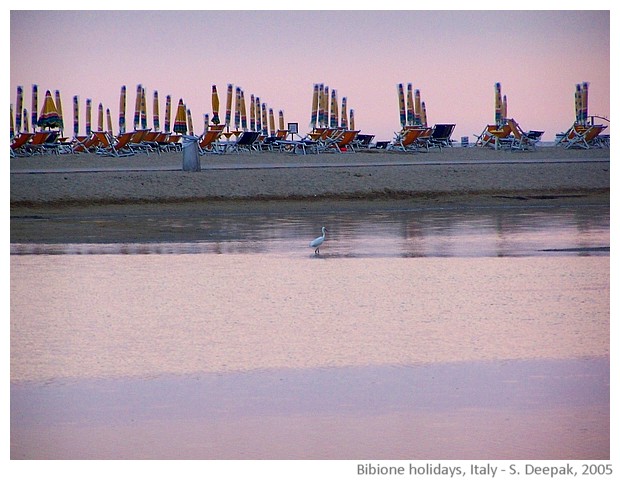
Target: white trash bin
(191, 160)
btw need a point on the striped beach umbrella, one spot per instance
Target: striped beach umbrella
(156, 111)
(137, 108)
(401, 104)
(89, 109)
(215, 103)
(259, 126)
(121, 110)
(100, 118)
(315, 106)
(244, 117)
(410, 107)
(109, 120)
(76, 116)
(417, 117)
(49, 117)
(180, 120)
(143, 109)
(252, 113)
(168, 113)
(59, 110)
(35, 106)
(272, 122)
(206, 123)
(578, 103)
(423, 115)
(12, 125)
(498, 104)
(351, 119)
(333, 114)
(281, 120)
(504, 109)
(190, 124)
(19, 106)
(343, 116)
(26, 120)
(321, 107)
(229, 99)
(237, 108)
(265, 129)
(584, 103)
(325, 106)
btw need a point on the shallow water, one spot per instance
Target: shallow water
(403, 337)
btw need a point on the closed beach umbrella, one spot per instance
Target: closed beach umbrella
(190, 124)
(26, 126)
(12, 126)
(180, 120)
(417, 117)
(265, 129)
(343, 116)
(109, 120)
(325, 106)
(89, 108)
(206, 123)
(259, 126)
(143, 108)
(584, 103)
(49, 117)
(423, 115)
(498, 104)
(352, 119)
(237, 108)
(401, 104)
(244, 117)
(578, 103)
(35, 106)
(19, 106)
(76, 116)
(121, 110)
(59, 110)
(333, 115)
(168, 114)
(410, 107)
(89, 112)
(321, 106)
(315, 106)
(272, 122)
(215, 102)
(100, 118)
(137, 108)
(281, 119)
(229, 98)
(504, 109)
(156, 111)
(252, 113)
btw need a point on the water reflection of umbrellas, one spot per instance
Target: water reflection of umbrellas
(215, 102)
(49, 117)
(180, 120)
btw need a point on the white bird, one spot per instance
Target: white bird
(318, 241)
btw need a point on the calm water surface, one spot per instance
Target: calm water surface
(408, 333)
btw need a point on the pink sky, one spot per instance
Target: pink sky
(453, 57)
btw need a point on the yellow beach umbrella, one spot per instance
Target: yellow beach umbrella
(137, 109)
(26, 125)
(180, 120)
(190, 124)
(333, 115)
(315, 106)
(272, 122)
(59, 110)
(244, 117)
(281, 119)
(89, 108)
(143, 108)
(259, 124)
(215, 101)
(326, 102)
(504, 109)
(168, 114)
(351, 119)
(12, 126)
(19, 106)
(343, 116)
(423, 115)
(584, 103)
(49, 117)
(35, 106)
(410, 107)
(156, 111)
(237, 109)
(109, 120)
(498, 104)
(252, 113)
(418, 108)
(265, 129)
(401, 104)
(229, 98)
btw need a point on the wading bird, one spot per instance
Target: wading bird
(317, 242)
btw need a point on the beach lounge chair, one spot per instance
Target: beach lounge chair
(246, 141)
(118, 147)
(209, 142)
(406, 138)
(18, 144)
(495, 136)
(36, 143)
(363, 141)
(582, 136)
(343, 142)
(441, 135)
(86, 144)
(424, 139)
(523, 140)
(170, 142)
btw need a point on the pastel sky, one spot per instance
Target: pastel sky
(453, 57)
